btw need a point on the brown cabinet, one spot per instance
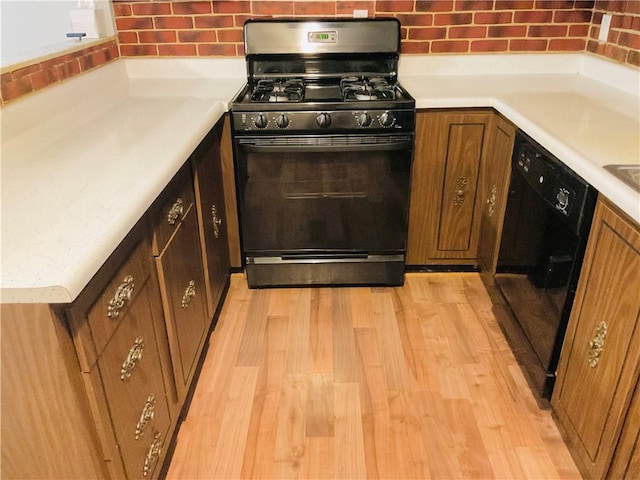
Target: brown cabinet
(496, 189)
(181, 276)
(212, 219)
(229, 185)
(131, 373)
(122, 367)
(447, 190)
(94, 389)
(598, 369)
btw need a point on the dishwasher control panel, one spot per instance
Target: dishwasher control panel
(559, 186)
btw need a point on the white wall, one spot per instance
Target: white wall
(33, 28)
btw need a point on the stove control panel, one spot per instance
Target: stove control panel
(315, 121)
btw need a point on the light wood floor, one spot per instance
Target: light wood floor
(338, 383)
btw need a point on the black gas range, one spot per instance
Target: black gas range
(323, 138)
(323, 76)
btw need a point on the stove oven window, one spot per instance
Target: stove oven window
(328, 202)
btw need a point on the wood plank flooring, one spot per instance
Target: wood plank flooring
(342, 383)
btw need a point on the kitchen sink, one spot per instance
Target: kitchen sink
(629, 174)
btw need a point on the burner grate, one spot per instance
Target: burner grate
(366, 89)
(275, 91)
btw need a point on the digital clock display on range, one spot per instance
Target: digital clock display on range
(322, 37)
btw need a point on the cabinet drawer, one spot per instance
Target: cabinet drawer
(131, 372)
(171, 208)
(144, 438)
(118, 298)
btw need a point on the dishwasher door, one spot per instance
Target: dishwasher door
(547, 221)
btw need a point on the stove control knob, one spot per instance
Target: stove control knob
(363, 119)
(260, 121)
(387, 119)
(282, 121)
(323, 120)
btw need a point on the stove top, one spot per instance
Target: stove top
(322, 76)
(349, 92)
(347, 89)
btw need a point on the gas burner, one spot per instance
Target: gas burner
(365, 89)
(286, 90)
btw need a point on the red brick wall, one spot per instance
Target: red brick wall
(214, 27)
(23, 80)
(623, 42)
(192, 28)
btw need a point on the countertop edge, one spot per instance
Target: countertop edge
(138, 71)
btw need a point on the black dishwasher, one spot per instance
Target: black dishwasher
(546, 225)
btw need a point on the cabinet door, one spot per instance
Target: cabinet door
(229, 184)
(497, 171)
(444, 219)
(598, 365)
(183, 296)
(210, 205)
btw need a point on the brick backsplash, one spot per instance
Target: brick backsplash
(162, 28)
(15, 83)
(623, 41)
(214, 27)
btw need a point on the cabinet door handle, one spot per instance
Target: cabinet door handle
(123, 294)
(491, 201)
(148, 412)
(189, 293)
(461, 186)
(134, 356)
(217, 221)
(596, 345)
(175, 212)
(155, 449)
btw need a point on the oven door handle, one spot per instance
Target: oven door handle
(329, 143)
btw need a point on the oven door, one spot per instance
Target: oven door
(313, 199)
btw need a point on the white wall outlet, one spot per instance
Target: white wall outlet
(604, 28)
(360, 13)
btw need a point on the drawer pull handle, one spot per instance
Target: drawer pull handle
(176, 211)
(148, 412)
(461, 185)
(596, 346)
(217, 221)
(189, 293)
(123, 294)
(134, 356)
(152, 454)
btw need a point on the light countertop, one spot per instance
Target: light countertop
(75, 183)
(83, 161)
(585, 124)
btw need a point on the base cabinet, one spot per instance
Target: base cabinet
(48, 430)
(454, 154)
(206, 163)
(496, 190)
(119, 324)
(131, 374)
(598, 369)
(94, 389)
(182, 284)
